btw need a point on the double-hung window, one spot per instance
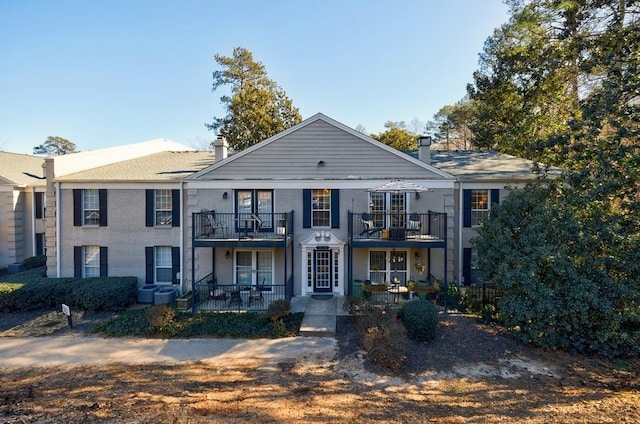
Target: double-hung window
(479, 206)
(89, 207)
(163, 265)
(89, 261)
(164, 207)
(321, 208)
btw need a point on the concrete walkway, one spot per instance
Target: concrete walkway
(49, 351)
(318, 325)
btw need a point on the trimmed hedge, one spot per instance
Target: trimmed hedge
(35, 262)
(29, 290)
(420, 318)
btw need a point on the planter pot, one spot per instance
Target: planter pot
(184, 301)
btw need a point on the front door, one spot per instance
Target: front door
(322, 271)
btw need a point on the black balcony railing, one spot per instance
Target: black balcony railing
(209, 295)
(399, 226)
(215, 225)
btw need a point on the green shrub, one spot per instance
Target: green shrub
(130, 323)
(420, 318)
(30, 290)
(105, 293)
(488, 314)
(35, 262)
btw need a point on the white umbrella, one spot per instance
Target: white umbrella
(398, 186)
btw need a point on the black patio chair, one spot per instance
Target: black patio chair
(255, 295)
(414, 224)
(369, 225)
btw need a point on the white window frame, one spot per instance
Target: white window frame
(480, 206)
(162, 261)
(259, 270)
(390, 271)
(163, 207)
(91, 261)
(321, 208)
(91, 207)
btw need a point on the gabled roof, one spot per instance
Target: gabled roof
(22, 170)
(76, 162)
(162, 166)
(320, 148)
(469, 165)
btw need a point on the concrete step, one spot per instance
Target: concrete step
(319, 318)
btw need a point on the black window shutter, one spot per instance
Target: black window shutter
(77, 261)
(335, 208)
(77, 207)
(39, 243)
(495, 196)
(149, 208)
(102, 196)
(466, 206)
(39, 199)
(149, 259)
(175, 264)
(466, 265)
(103, 262)
(306, 208)
(175, 208)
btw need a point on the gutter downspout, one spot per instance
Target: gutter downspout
(33, 221)
(460, 230)
(58, 229)
(182, 232)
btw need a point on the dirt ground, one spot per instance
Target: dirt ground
(472, 373)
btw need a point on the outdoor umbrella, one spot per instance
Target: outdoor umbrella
(399, 186)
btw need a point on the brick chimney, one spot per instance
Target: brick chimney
(424, 149)
(220, 147)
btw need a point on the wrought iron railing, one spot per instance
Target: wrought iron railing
(209, 295)
(215, 225)
(399, 226)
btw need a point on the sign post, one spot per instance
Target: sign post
(67, 311)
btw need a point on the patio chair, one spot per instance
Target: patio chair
(414, 224)
(255, 295)
(215, 292)
(369, 225)
(216, 225)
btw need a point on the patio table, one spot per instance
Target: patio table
(397, 291)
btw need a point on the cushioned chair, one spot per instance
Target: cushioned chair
(414, 224)
(216, 226)
(369, 225)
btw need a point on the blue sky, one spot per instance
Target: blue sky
(108, 72)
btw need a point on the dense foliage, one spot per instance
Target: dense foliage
(35, 262)
(564, 279)
(398, 136)
(163, 321)
(420, 318)
(30, 290)
(559, 84)
(257, 109)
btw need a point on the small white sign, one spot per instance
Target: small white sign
(66, 310)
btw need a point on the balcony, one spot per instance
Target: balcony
(395, 229)
(214, 226)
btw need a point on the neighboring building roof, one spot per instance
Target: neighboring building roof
(20, 169)
(163, 166)
(323, 149)
(485, 165)
(76, 162)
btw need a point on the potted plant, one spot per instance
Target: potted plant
(411, 286)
